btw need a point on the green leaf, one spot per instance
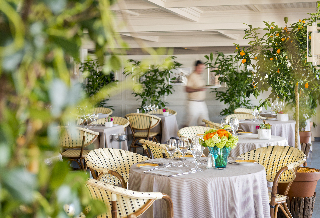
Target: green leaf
(59, 173)
(70, 46)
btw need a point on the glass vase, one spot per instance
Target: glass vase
(220, 156)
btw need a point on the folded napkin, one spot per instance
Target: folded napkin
(147, 164)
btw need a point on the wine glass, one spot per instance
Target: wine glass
(255, 114)
(171, 149)
(234, 122)
(224, 122)
(197, 153)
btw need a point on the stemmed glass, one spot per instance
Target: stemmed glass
(171, 148)
(196, 151)
(255, 114)
(234, 122)
(224, 122)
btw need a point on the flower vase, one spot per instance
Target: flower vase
(220, 156)
(282, 117)
(264, 134)
(109, 124)
(166, 114)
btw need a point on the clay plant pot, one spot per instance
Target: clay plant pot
(303, 186)
(305, 136)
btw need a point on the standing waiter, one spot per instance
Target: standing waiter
(196, 107)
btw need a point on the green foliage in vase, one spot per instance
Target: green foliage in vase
(155, 81)
(39, 92)
(96, 79)
(239, 82)
(279, 59)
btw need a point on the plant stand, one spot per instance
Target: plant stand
(300, 207)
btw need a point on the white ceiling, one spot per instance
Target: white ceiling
(202, 23)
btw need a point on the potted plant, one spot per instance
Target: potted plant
(306, 111)
(165, 112)
(264, 131)
(219, 142)
(109, 122)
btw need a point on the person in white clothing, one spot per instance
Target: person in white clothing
(196, 107)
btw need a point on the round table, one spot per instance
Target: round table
(250, 142)
(236, 191)
(284, 129)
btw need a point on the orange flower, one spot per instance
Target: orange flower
(277, 34)
(283, 39)
(309, 37)
(237, 48)
(299, 20)
(286, 56)
(278, 51)
(278, 71)
(254, 87)
(271, 36)
(272, 27)
(255, 58)
(303, 21)
(285, 28)
(271, 59)
(306, 85)
(244, 61)
(242, 53)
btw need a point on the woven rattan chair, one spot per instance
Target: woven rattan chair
(140, 125)
(192, 131)
(73, 145)
(243, 111)
(212, 124)
(280, 163)
(160, 111)
(157, 149)
(241, 117)
(105, 160)
(123, 203)
(102, 110)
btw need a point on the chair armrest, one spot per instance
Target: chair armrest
(275, 186)
(169, 205)
(113, 173)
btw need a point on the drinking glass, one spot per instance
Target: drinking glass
(255, 114)
(197, 153)
(234, 122)
(224, 122)
(171, 148)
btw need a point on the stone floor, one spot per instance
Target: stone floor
(314, 162)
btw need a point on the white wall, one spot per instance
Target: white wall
(125, 103)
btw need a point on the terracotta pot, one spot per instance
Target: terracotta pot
(303, 186)
(305, 136)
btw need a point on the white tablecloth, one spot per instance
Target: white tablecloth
(250, 142)
(235, 192)
(284, 129)
(104, 136)
(168, 128)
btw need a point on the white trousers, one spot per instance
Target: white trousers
(196, 112)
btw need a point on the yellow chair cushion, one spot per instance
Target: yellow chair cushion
(74, 153)
(145, 134)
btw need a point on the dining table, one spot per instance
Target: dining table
(239, 190)
(248, 142)
(106, 139)
(284, 129)
(168, 127)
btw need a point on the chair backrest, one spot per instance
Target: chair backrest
(121, 121)
(128, 202)
(239, 116)
(142, 121)
(102, 110)
(192, 131)
(212, 124)
(243, 111)
(104, 159)
(273, 158)
(160, 111)
(157, 149)
(74, 139)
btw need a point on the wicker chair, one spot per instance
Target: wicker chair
(160, 111)
(157, 149)
(212, 124)
(243, 111)
(102, 110)
(192, 131)
(142, 122)
(280, 163)
(107, 160)
(73, 145)
(125, 203)
(241, 117)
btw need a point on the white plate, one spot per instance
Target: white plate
(246, 163)
(147, 167)
(245, 133)
(115, 124)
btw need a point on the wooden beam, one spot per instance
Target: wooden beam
(147, 38)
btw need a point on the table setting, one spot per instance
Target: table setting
(195, 186)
